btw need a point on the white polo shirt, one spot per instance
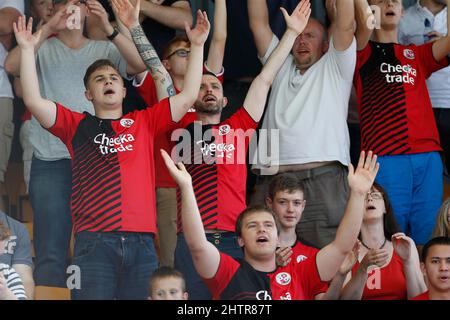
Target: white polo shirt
(310, 110)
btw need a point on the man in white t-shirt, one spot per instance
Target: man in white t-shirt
(308, 105)
(10, 10)
(423, 22)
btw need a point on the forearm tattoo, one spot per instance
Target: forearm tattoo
(151, 59)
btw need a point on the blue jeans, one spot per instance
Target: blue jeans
(414, 184)
(114, 265)
(50, 191)
(225, 242)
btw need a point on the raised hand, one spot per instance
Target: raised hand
(361, 179)
(330, 6)
(350, 260)
(199, 34)
(95, 8)
(24, 33)
(126, 12)
(377, 257)
(177, 171)
(298, 20)
(403, 245)
(283, 256)
(58, 21)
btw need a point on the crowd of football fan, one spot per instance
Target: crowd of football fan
(268, 154)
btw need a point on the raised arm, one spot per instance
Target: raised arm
(128, 15)
(54, 25)
(365, 23)
(43, 110)
(406, 249)
(331, 257)
(258, 16)
(257, 94)
(335, 288)
(173, 17)
(441, 47)
(343, 30)
(182, 102)
(354, 287)
(205, 255)
(124, 45)
(219, 38)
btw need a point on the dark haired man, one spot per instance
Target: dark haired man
(113, 200)
(436, 269)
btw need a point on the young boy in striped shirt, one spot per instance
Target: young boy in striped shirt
(11, 286)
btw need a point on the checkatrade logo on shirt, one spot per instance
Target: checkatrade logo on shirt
(107, 145)
(399, 73)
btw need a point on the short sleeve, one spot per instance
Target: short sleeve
(273, 44)
(22, 251)
(66, 123)
(308, 281)
(227, 268)
(159, 116)
(315, 284)
(147, 90)
(345, 60)
(241, 119)
(427, 61)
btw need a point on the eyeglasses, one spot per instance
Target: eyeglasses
(376, 195)
(182, 53)
(65, 2)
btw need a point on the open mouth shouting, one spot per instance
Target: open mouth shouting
(109, 92)
(209, 98)
(390, 13)
(262, 240)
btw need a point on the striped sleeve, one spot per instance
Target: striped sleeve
(13, 281)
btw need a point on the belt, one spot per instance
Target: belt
(314, 172)
(311, 173)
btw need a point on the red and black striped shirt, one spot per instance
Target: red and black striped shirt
(393, 102)
(215, 157)
(113, 172)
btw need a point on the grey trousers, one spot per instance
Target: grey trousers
(6, 134)
(326, 193)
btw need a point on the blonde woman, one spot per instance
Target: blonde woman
(442, 227)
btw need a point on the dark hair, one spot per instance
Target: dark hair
(212, 74)
(284, 182)
(250, 211)
(166, 272)
(5, 233)
(168, 48)
(445, 241)
(390, 225)
(99, 64)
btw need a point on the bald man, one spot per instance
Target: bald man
(308, 105)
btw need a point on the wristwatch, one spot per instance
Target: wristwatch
(113, 35)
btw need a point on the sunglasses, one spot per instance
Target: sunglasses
(182, 53)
